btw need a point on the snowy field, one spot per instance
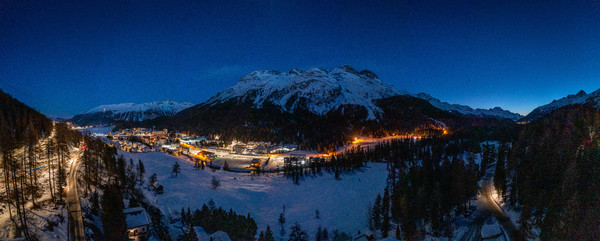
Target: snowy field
(343, 204)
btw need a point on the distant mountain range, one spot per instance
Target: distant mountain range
(316, 90)
(129, 112)
(341, 90)
(580, 98)
(495, 112)
(322, 90)
(323, 106)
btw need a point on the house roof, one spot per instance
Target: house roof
(217, 236)
(136, 217)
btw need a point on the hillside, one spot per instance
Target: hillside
(553, 159)
(20, 123)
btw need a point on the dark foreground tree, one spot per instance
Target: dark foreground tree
(113, 219)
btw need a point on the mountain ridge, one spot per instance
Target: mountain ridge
(321, 90)
(496, 112)
(580, 98)
(108, 114)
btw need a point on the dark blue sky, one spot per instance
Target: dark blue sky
(64, 57)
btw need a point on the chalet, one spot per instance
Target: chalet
(216, 236)
(237, 149)
(158, 189)
(138, 221)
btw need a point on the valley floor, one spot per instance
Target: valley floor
(342, 204)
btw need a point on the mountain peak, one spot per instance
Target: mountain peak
(317, 90)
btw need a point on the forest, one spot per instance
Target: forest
(554, 167)
(34, 154)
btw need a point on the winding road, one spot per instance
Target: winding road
(489, 208)
(76, 231)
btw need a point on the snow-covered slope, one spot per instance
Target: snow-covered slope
(317, 90)
(495, 112)
(594, 98)
(580, 98)
(129, 112)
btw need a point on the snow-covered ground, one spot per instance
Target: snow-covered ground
(38, 218)
(343, 204)
(38, 221)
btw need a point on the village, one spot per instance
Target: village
(214, 153)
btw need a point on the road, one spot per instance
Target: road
(489, 208)
(74, 207)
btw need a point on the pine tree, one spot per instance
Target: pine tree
(49, 155)
(141, 171)
(191, 234)
(121, 171)
(318, 236)
(500, 172)
(152, 179)
(297, 233)
(269, 234)
(376, 215)
(176, 168)
(95, 203)
(385, 207)
(113, 219)
(282, 220)
(215, 182)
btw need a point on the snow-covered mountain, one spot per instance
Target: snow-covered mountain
(322, 90)
(106, 114)
(317, 90)
(580, 98)
(495, 112)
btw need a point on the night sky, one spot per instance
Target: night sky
(65, 57)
